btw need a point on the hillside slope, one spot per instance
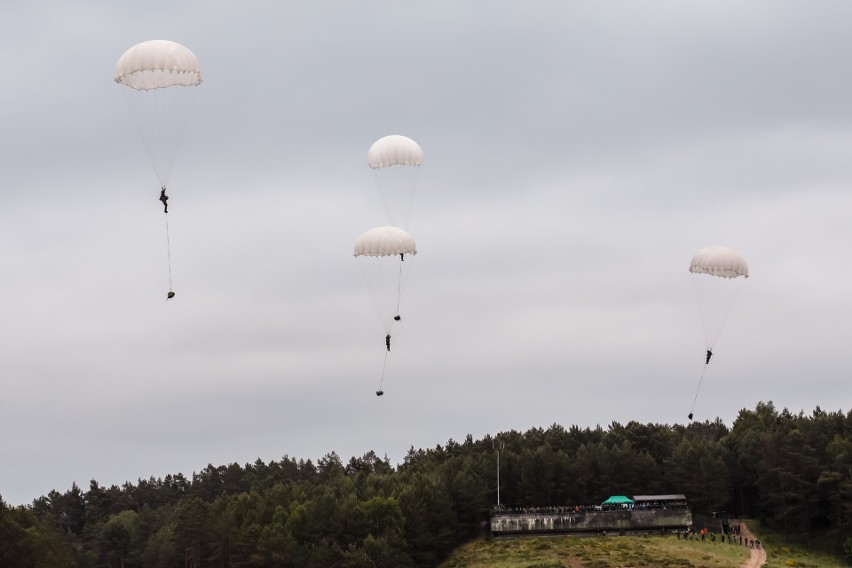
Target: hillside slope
(598, 552)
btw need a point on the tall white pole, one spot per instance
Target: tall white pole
(498, 447)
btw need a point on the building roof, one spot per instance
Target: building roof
(672, 497)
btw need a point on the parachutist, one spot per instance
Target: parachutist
(397, 317)
(690, 416)
(709, 354)
(170, 295)
(387, 341)
(402, 257)
(380, 392)
(165, 199)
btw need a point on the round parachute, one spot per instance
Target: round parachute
(160, 77)
(719, 261)
(717, 271)
(395, 160)
(385, 241)
(394, 150)
(157, 64)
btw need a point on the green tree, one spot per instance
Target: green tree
(118, 540)
(17, 547)
(430, 522)
(161, 550)
(700, 470)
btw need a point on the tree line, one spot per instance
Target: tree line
(792, 471)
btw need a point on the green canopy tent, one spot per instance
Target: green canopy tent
(618, 500)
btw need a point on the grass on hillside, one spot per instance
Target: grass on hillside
(783, 554)
(597, 552)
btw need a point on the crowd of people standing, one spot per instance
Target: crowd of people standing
(705, 534)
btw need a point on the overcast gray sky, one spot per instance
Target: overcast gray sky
(576, 156)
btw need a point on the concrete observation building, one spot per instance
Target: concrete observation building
(618, 514)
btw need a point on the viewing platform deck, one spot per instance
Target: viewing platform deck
(589, 521)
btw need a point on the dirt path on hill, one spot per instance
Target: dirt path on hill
(758, 555)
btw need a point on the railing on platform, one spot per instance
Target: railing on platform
(579, 520)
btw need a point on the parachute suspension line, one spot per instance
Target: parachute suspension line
(169, 253)
(397, 317)
(725, 316)
(398, 191)
(160, 116)
(415, 183)
(698, 388)
(380, 392)
(711, 334)
(712, 330)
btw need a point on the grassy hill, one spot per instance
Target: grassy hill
(597, 552)
(629, 551)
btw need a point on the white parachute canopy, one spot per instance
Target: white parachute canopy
(719, 261)
(717, 274)
(159, 77)
(383, 254)
(157, 64)
(394, 150)
(396, 161)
